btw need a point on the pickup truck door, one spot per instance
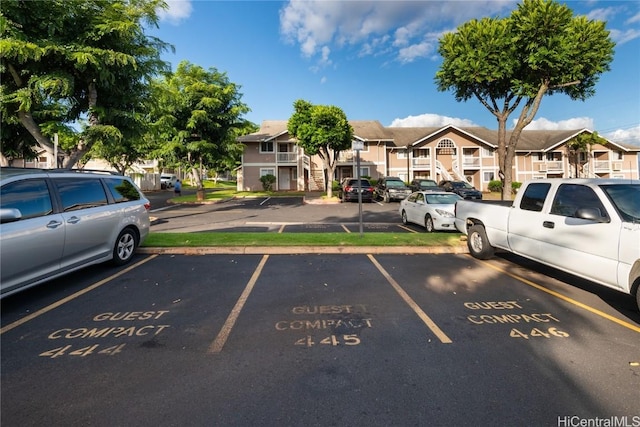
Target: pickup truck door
(587, 247)
(525, 221)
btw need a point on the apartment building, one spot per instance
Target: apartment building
(447, 152)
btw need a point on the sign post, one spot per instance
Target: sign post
(357, 146)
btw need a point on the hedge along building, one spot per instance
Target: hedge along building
(447, 152)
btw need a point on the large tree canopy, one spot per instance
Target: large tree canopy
(323, 130)
(198, 114)
(541, 49)
(77, 63)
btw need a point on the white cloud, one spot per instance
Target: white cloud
(545, 124)
(375, 27)
(621, 37)
(323, 80)
(176, 12)
(625, 136)
(430, 120)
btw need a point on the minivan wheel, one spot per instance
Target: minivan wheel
(125, 246)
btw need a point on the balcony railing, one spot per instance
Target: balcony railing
(287, 157)
(347, 156)
(601, 165)
(550, 167)
(423, 162)
(470, 162)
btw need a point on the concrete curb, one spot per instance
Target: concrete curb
(294, 250)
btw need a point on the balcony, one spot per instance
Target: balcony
(550, 167)
(287, 157)
(421, 162)
(347, 156)
(601, 166)
(470, 162)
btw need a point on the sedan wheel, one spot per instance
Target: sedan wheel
(428, 224)
(404, 218)
(386, 197)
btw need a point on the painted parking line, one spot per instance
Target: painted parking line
(414, 306)
(562, 297)
(223, 335)
(73, 296)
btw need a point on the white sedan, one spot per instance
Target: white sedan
(432, 210)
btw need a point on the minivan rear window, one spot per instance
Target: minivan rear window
(122, 190)
(80, 193)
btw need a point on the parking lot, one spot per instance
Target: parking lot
(317, 339)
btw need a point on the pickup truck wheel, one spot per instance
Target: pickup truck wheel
(428, 224)
(478, 243)
(404, 218)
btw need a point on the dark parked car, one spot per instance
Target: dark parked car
(349, 190)
(391, 188)
(461, 188)
(423, 184)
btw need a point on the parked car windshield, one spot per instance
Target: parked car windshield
(395, 183)
(442, 199)
(626, 199)
(461, 184)
(363, 183)
(427, 183)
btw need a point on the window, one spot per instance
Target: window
(402, 154)
(267, 171)
(446, 146)
(534, 196)
(618, 155)
(80, 193)
(488, 176)
(364, 171)
(571, 197)
(31, 197)
(487, 152)
(122, 190)
(554, 156)
(266, 147)
(421, 153)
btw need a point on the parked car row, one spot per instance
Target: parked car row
(392, 188)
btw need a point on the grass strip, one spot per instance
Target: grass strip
(166, 240)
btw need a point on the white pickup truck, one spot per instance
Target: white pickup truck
(586, 227)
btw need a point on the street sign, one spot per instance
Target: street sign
(357, 145)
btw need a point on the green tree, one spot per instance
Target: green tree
(77, 64)
(198, 114)
(323, 130)
(540, 49)
(582, 143)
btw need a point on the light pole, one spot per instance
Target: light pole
(357, 146)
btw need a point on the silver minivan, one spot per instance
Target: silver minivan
(56, 221)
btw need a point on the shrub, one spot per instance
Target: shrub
(267, 182)
(495, 186)
(515, 186)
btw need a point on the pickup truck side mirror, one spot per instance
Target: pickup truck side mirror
(592, 214)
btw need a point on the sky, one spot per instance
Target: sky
(377, 60)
